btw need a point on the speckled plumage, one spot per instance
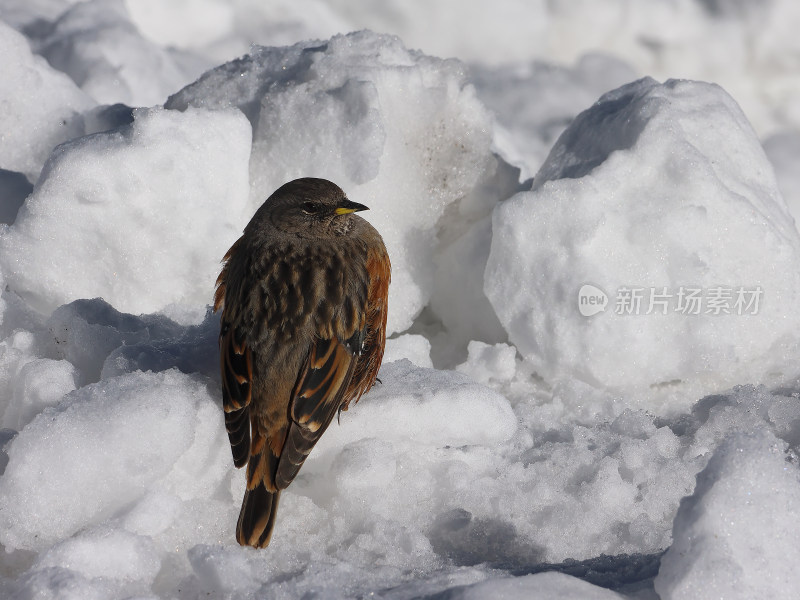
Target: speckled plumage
(303, 295)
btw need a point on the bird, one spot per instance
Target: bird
(303, 295)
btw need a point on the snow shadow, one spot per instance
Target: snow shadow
(469, 541)
(624, 573)
(14, 188)
(103, 342)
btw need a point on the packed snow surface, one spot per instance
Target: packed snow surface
(591, 385)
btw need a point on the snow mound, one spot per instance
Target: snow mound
(94, 43)
(140, 216)
(103, 448)
(41, 107)
(742, 522)
(662, 193)
(399, 131)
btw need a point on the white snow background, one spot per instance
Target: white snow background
(517, 156)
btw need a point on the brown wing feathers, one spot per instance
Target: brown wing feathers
(236, 365)
(369, 362)
(236, 368)
(316, 400)
(321, 380)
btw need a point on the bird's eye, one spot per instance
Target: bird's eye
(310, 208)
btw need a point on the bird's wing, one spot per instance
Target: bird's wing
(369, 360)
(236, 368)
(339, 367)
(319, 393)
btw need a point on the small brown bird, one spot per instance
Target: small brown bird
(304, 298)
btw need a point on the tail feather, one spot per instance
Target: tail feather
(257, 517)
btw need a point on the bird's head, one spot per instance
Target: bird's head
(310, 207)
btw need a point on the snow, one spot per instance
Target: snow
(151, 206)
(535, 101)
(748, 46)
(660, 189)
(740, 523)
(89, 41)
(38, 384)
(532, 587)
(416, 348)
(525, 439)
(783, 151)
(41, 106)
(117, 449)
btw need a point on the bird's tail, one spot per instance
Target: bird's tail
(260, 504)
(257, 517)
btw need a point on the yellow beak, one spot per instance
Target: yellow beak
(348, 206)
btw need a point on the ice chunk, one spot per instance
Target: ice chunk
(657, 191)
(736, 535)
(140, 216)
(399, 131)
(41, 107)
